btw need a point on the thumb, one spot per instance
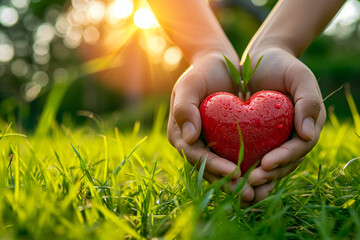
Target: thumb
(307, 99)
(308, 104)
(187, 95)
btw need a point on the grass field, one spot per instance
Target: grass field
(96, 182)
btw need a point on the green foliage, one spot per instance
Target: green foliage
(246, 73)
(135, 185)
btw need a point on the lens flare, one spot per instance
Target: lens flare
(144, 18)
(120, 9)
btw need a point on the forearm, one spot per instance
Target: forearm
(192, 26)
(293, 24)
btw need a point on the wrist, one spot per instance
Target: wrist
(217, 51)
(257, 47)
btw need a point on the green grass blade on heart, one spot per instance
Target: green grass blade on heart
(246, 71)
(234, 73)
(257, 64)
(241, 151)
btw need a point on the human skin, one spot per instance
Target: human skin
(289, 29)
(287, 32)
(193, 27)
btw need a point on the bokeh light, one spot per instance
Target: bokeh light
(79, 4)
(41, 78)
(91, 35)
(172, 56)
(73, 37)
(45, 33)
(19, 67)
(8, 16)
(144, 18)
(7, 52)
(60, 75)
(31, 91)
(118, 10)
(95, 12)
(259, 3)
(344, 23)
(156, 45)
(21, 5)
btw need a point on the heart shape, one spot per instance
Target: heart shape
(265, 119)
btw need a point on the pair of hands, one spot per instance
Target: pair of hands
(279, 71)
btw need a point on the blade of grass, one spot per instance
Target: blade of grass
(118, 169)
(6, 130)
(83, 165)
(241, 151)
(234, 74)
(353, 109)
(201, 174)
(51, 107)
(246, 71)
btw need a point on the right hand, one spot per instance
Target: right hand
(208, 74)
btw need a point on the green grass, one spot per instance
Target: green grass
(95, 182)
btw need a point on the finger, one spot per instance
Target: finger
(303, 87)
(291, 150)
(259, 176)
(215, 165)
(261, 192)
(210, 178)
(247, 193)
(187, 96)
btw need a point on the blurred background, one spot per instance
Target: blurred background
(110, 58)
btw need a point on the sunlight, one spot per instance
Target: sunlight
(120, 9)
(110, 35)
(172, 57)
(144, 18)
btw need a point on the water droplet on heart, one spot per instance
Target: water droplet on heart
(277, 106)
(280, 126)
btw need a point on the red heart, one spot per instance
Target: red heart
(265, 120)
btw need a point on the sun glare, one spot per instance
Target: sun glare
(144, 18)
(120, 9)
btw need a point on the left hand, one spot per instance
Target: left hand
(281, 71)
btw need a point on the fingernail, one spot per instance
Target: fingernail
(261, 182)
(237, 173)
(188, 131)
(274, 166)
(308, 127)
